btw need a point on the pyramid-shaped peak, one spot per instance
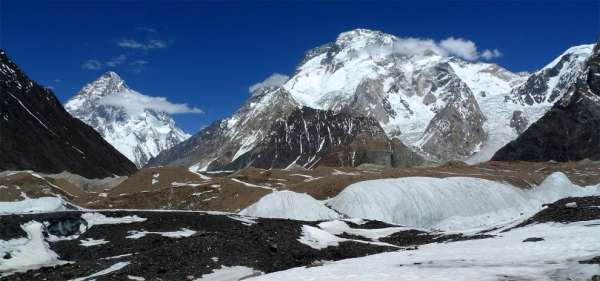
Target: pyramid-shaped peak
(108, 83)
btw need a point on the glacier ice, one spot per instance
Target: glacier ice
(451, 203)
(290, 205)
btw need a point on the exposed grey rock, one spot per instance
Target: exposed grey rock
(456, 131)
(519, 121)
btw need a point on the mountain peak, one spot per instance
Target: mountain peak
(112, 75)
(105, 105)
(361, 37)
(107, 84)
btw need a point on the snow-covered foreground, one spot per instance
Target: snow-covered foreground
(454, 203)
(505, 257)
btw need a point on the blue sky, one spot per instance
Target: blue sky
(207, 54)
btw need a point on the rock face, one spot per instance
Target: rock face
(226, 140)
(457, 130)
(311, 137)
(554, 80)
(139, 134)
(445, 108)
(36, 133)
(569, 131)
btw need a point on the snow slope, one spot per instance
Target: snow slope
(138, 134)
(450, 203)
(290, 205)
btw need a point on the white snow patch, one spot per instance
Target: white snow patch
(89, 242)
(99, 219)
(338, 227)
(290, 205)
(27, 253)
(184, 232)
(33, 205)
(180, 184)
(247, 221)
(252, 185)
(115, 267)
(337, 172)
(317, 238)
(229, 273)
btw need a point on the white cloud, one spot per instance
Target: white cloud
(92, 65)
(135, 103)
(275, 80)
(135, 66)
(147, 45)
(450, 46)
(116, 61)
(491, 54)
(460, 47)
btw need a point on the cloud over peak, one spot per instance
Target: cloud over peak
(135, 103)
(451, 46)
(142, 45)
(274, 80)
(491, 54)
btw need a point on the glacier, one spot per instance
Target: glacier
(449, 204)
(454, 203)
(290, 205)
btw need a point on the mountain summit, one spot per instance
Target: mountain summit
(441, 105)
(119, 115)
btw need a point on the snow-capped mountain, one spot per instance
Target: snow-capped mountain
(36, 133)
(138, 133)
(569, 130)
(443, 107)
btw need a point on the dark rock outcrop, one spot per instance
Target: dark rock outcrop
(220, 143)
(36, 133)
(569, 131)
(311, 137)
